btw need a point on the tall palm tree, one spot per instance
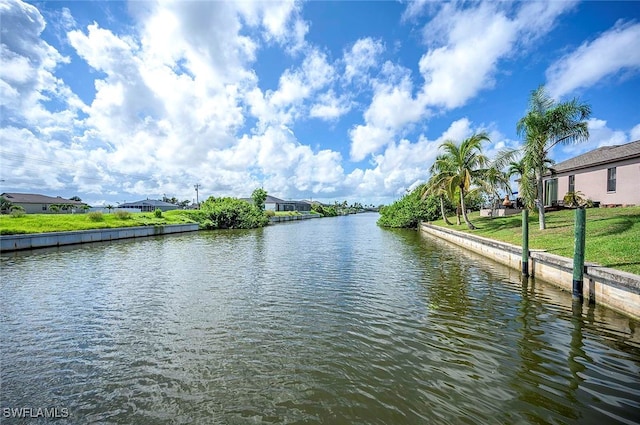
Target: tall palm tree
(465, 164)
(546, 124)
(438, 185)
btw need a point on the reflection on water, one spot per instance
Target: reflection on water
(322, 321)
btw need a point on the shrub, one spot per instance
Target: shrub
(326, 211)
(122, 215)
(95, 216)
(233, 213)
(17, 211)
(409, 210)
(158, 213)
(577, 200)
(270, 213)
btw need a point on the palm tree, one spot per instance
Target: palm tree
(465, 164)
(546, 124)
(438, 185)
(493, 181)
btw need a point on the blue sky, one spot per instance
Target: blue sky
(120, 101)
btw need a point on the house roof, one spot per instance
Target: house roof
(600, 156)
(34, 198)
(148, 202)
(273, 200)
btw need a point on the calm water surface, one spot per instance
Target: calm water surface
(331, 321)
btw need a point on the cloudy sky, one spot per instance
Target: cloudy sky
(120, 101)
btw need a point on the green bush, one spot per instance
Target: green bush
(95, 216)
(122, 215)
(17, 211)
(158, 213)
(409, 210)
(326, 211)
(232, 213)
(270, 213)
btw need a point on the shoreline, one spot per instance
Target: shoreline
(612, 288)
(25, 241)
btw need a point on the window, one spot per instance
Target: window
(572, 183)
(611, 179)
(44, 208)
(551, 192)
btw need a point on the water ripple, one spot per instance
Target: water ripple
(328, 321)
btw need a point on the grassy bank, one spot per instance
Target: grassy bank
(612, 239)
(41, 223)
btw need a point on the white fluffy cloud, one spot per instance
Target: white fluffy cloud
(362, 56)
(177, 99)
(635, 133)
(457, 70)
(465, 46)
(600, 134)
(330, 106)
(614, 51)
(392, 108)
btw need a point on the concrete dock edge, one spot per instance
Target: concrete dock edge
(615, 289)
(45, 240)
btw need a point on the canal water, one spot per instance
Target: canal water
(326, 321)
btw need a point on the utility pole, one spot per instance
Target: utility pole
(197, 187)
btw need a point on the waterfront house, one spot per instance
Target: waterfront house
(609, 176)
(275, 204)
(150, 205)
(41, 204)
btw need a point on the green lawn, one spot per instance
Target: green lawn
(612, 240)
(40, 223)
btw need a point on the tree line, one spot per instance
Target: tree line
(462, 173)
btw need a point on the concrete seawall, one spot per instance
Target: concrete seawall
(615, 289)
(44, 240)
(281, 218)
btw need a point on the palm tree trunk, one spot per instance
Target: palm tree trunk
(444, 217)
(458, 214)
(464, 211)
(541, 219)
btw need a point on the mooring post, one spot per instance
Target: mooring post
(525, 242)
(578, 252)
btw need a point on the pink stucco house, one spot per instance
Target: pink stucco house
(609, 175)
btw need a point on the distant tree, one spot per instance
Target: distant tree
(55, 208)
(259, 197)
(493, 182)
(75, 198)
(185, 203)
(109, 207)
